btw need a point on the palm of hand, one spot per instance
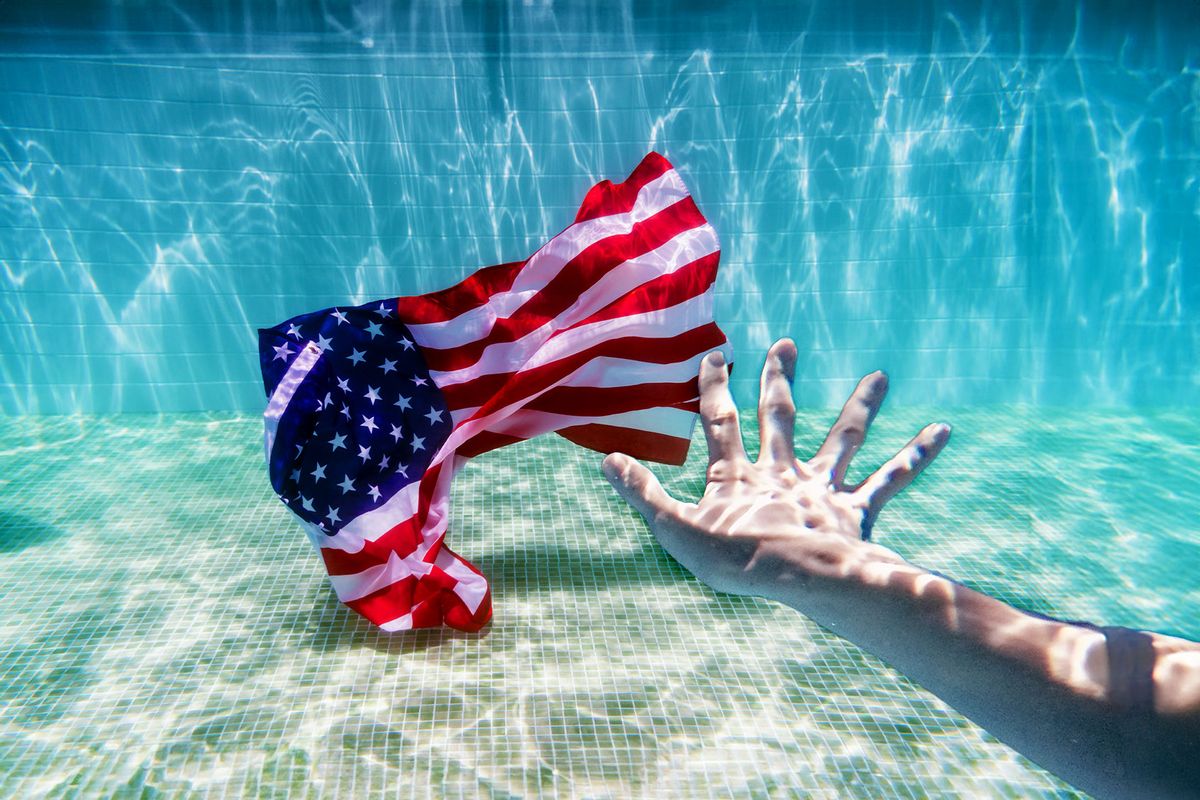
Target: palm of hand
(748, 507)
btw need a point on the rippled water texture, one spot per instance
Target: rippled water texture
(166, 626)
(999, 206)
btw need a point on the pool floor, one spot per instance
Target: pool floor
(167, 631)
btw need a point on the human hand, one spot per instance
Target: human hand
(778, 518)
(1115, 711)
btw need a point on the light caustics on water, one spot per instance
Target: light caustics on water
(997, 210)
(993, 209)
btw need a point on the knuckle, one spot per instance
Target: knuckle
(851, 432)
(722, 417)
(783, 471)
(780, 406)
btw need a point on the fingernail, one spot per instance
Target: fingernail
(716, 358)
(611, 467)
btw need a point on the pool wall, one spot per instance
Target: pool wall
(996, 205)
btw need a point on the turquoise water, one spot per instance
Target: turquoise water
(998, 207)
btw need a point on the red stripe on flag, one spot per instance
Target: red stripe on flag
(575, 278)
(385, 605)
(454, 611)
(607, 198)
(499, 390)
(583, 401)
(431, 600)
(639, 444)
(671, 289)
(428, 615)
(401, 539)
(435, 582)
(447, 304)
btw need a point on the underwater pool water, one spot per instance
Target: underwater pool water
(999, 206)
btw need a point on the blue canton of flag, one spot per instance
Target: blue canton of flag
(363, 425)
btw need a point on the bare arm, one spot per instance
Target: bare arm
(1115, 712)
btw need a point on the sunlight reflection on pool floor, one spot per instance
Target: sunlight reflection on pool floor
(184, 639)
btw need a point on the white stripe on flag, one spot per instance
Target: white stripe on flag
(402, 623)
(471, 586)
(281, 398)
(605, 372)
(661, 323)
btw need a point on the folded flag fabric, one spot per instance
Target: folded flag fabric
(597, 336)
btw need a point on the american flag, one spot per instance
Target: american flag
(597, 336)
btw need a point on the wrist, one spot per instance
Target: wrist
(808, 571)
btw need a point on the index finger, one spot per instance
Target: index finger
(718, 413)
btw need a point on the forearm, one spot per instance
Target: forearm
(1043, 686)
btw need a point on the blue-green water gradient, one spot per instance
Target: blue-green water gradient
(996, 205)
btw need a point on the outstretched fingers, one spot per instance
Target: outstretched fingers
(718, 414)
(900, 470)
(776, 409)
(638, 487)
(850, 430)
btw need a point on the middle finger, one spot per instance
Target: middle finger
(776, 409)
